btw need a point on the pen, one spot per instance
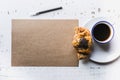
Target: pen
(46, 11)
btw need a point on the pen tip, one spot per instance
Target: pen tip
(33, 15)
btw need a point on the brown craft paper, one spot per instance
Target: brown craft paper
(43, 42)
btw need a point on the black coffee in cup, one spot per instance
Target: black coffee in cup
(102, 32)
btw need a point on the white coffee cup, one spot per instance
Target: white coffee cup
(102, 32)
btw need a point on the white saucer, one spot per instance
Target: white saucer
(109, 52)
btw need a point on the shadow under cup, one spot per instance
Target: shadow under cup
(102, 32)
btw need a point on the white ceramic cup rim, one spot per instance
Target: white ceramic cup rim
(111, 34)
